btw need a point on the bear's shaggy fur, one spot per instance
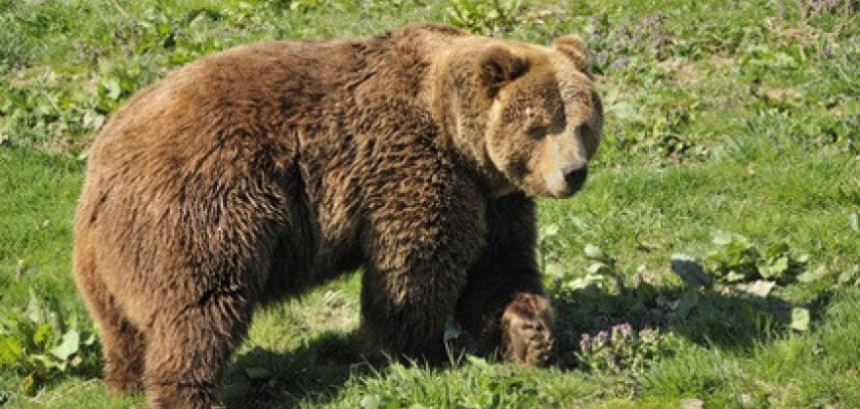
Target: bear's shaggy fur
(259, 172)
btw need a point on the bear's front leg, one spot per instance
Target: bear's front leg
(503, 305)
(418, 249)
(405, 317)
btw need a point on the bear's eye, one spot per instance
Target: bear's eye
(537, 131)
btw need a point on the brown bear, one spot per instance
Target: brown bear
(256, 173)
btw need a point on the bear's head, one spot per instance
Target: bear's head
(529, 116)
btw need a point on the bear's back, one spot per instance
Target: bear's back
(202, 168)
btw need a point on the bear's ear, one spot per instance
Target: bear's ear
(573, 47)
(499, 66)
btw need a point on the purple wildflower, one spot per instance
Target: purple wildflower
(602, 337)
(584, 342)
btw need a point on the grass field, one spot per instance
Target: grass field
(713, 258)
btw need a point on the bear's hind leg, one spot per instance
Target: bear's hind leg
(123, 347)
(189, 349)
(122, 344)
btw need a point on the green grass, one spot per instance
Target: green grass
(740, 117)
(38, 204)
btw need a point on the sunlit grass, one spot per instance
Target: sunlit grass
(738, 117)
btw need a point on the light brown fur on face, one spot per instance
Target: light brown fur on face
(534, 118)
(257, 173)
(546, 124)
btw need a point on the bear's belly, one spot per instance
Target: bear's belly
(312, 254)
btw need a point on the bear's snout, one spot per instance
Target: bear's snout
(575, 178)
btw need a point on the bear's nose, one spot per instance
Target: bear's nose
(575, 178)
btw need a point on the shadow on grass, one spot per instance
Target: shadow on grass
(317, 371)
(314, 372)
(729, 320)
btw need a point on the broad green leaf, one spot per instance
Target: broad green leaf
(10, 351)
(35, 311)
(799, 319)
(722, 238)
(593, 252)
(112, 88)
(597, 268)
(476, 361)
(760, 288)
(90, 339)
(550, 230)
(735, 277)
(583, 282)
(775, 269)
(68, 346)
(848, 275)
(370, 402)
(54, 316)
(554, 269)
(43, 334)
(813, 275)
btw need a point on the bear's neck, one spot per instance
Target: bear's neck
(459, 109)
(432, 71)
